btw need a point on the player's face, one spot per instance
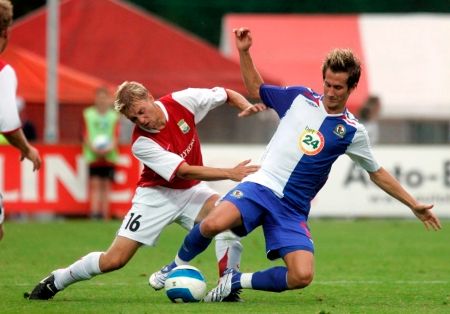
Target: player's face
(147, 115)
(335, 91)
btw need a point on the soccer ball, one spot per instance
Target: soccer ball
(101, 142)
(185, 284)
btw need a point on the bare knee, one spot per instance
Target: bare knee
(299, 279)
(211, 227)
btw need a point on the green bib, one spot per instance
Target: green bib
(100, 132)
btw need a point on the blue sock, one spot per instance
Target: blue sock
(171, 266)
(236, 281)
(194, 243)
(273, 279)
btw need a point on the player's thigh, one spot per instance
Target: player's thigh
(152, 210)
(195, 204)
(95, 182)
(223, 217)
(208, 206)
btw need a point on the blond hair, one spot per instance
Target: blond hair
(343, 60)
(127, 94)
(6, 15)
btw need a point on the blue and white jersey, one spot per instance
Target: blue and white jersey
(308, 140)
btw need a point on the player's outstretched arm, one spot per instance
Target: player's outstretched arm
(18, 140)
(240, 171)
(390, 185)
(251, 76)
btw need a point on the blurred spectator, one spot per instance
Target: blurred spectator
(100, 150)
(369, 115)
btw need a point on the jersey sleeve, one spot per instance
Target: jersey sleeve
(200, 101)
(360, 151)
(151, 154)
(280, 98)
(9, 115)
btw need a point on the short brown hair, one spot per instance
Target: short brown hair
(128, 93)
(6, 14)
(343, 60)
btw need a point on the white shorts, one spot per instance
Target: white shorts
(156, 207)
(2, 210)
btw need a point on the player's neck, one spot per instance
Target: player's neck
(335, 109)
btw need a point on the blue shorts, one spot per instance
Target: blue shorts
(285, 229)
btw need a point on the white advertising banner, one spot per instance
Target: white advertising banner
(423, 170)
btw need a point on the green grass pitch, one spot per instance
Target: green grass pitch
(362, 266)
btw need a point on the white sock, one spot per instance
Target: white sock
(228, 251)
(179, 261)
(246, 280)
(83, 269)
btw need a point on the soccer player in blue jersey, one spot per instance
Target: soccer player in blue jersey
(314, 130)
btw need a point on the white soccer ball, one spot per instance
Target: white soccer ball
(185, 284)
(101, 142)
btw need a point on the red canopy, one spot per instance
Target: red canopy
(74, 87)
(294, 46)
(116, 42)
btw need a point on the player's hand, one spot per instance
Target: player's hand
(242, 170)
(429, 219)
(251, 110)
(32, 154)
(243, 38)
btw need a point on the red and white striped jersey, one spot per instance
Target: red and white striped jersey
(162, 152)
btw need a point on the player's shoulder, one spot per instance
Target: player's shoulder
(89, 110)
(305, 91)
(292, 92)
(195, 93)
(299, 89)
(351, 119)
(352, 122)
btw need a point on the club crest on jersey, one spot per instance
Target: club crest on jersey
(237, 194)
(184, 127)
(311, 142)
(340, 130)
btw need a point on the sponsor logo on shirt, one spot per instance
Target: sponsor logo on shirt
(340, 130)
(311, 141)
(184, 127)
(188, 149)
